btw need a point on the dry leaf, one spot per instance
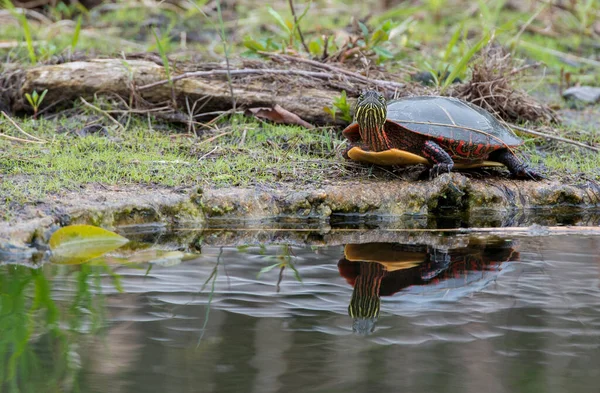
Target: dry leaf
(278, 115)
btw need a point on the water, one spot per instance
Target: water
(415, 312)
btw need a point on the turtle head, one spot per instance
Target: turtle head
(370, 115)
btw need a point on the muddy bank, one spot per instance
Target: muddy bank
(488, 202)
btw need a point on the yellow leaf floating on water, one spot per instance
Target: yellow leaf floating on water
(79, 243)
(150, 256)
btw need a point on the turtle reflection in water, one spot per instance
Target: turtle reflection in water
(383, 269)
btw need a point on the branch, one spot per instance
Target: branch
(329, 67)
(557, 138)
(269, 71)
(35, 139)
(291, 2)
(243, 71)
(105, 113)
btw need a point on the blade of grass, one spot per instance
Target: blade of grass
(221, 32)
(163, 56)
(296, 273)
(462, 64)
(28, 39)
(226, 52)
(485, 10)
(453, 41)
(212, 276)
(279, 20)
(25, 26)
(76, 33)
(267, 269)
(165, 60)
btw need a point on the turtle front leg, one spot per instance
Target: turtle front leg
(516, 167)
(442, 161)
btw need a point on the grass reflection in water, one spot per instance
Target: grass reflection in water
(40, 337)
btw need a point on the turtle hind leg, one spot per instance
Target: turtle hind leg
(442, 161)
(516, 167)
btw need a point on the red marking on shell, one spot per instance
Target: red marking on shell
(460, 149)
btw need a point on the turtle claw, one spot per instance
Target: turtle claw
(523, 172)
(517, 168)
(438, 169)
(530, 174)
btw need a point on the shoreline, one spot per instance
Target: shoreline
(483, 202)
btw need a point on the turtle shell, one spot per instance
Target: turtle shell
(450, 118)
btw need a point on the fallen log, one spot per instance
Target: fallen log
(302, 91)
(299, 87)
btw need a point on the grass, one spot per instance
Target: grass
(250, 153)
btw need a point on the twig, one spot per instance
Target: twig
(291, 2)
(518, 70)
(29, 13)
(243, 71)
(140, 111)
(558, 138)
(560, 54)
(207, 154)
(13, 138)
(130, 5)
(180, 162)
(325, 46)
(16, 44)
(269, 71)
(35, 139)
(214, 137)
(105, 113)
(329, 67)
(529, 22)
(564, 7)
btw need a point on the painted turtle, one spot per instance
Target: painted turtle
(442, 132)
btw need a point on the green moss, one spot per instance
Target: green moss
(220, 210)
(132, 216)
(184, 212)
(93, 217)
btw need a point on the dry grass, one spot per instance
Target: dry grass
(492, 87)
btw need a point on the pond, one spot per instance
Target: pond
(308, 311)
